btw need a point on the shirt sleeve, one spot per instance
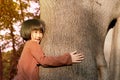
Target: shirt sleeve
(45, 61)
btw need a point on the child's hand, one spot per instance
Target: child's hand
(76, 57)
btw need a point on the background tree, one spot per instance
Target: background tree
(1, 64)
(10, 19)
(1, 67)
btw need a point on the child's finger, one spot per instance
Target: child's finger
(74, 52)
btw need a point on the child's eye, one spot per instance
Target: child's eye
(36, 31)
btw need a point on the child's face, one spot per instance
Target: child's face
(36, 35)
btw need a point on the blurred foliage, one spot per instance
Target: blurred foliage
(6, 61)
(13, 12)
(6, 64)
(8, 14)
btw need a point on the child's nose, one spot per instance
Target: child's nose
(39, 35)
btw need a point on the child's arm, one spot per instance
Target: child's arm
(66, 59)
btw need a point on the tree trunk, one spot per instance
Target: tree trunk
(13, 61)
(74, 25)
(1, 67)
(114, 65)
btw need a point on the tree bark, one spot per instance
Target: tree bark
(1, 66)
(74, 25)
(13, 61)
(114, 65)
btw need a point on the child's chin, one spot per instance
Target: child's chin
(37, 41)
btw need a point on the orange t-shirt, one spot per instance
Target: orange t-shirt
(32, 55)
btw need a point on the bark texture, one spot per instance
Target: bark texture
(77, 25)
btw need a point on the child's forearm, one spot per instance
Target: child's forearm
(56, 61)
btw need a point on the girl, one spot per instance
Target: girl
(32, 31)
